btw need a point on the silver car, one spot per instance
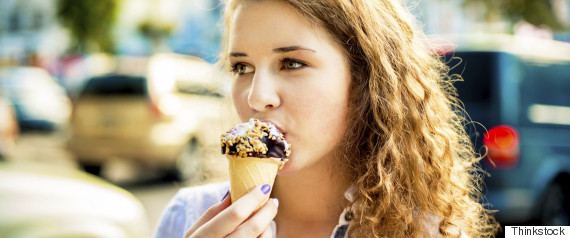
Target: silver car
(166, 119)
(39, 101)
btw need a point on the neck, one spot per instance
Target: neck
(310, 200)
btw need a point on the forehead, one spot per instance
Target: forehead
(271, 24)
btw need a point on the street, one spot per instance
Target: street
(153, 193)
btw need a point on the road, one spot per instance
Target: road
(153, 193)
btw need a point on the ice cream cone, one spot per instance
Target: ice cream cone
(246, 173)
(256, 150)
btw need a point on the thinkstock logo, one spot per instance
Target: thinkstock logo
(536, 231)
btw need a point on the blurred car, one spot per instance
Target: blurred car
(8, 127)
(49, 201)
(165, 119)
(39, 101)
(518, 89)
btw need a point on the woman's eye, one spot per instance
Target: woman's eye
(240, 68)
(292, 64)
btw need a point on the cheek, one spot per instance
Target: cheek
(239, 99)
(325, 112)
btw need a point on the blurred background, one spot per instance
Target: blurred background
(108, 107)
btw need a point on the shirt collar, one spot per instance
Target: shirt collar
(350, 193)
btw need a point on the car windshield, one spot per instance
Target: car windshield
(478, 70)
(115, 85)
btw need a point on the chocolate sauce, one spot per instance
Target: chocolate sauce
(275, 149)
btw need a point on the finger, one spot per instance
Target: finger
(257, 224)
(230, 218)
(209, 214)
(268, 233)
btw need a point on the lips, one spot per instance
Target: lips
(277, 126)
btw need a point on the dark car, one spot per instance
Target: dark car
(519, 100)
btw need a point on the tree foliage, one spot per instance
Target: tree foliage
(536, 12)
(90, 23)
(155, 32)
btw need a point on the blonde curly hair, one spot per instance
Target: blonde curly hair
(413, 166)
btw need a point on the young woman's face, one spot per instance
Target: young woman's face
(289, 72)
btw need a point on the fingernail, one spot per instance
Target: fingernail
(265, 188)
(227, 193)
(275, 201)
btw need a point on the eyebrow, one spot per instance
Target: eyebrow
(276, 50)
(291, 48)
(237, 54)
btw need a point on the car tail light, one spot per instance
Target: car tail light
(156, 109)
(165, 106)
(503, 151)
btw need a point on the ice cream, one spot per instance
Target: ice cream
(256, 150)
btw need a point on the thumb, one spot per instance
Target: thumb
(209, 214)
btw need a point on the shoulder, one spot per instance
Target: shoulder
(187, 206)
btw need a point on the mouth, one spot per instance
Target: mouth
(278, 127)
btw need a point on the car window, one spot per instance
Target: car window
(546, 87)
(546, 83)
(478, 70)
(20, 82)
(115, 85)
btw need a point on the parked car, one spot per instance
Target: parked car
(519, 92)
(39, 101)
(155, 120)
(51, 201)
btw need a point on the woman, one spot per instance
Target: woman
(378, 149)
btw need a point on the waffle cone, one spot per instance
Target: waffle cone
(250, 172)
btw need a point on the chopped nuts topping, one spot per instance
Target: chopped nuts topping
(250, 140)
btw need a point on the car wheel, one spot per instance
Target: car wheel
(556, 206)
(188, 162)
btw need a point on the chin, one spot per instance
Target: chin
(294, 166)
(287, 169)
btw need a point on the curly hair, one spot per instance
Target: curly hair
(412, 164)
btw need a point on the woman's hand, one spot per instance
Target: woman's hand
(239, 219)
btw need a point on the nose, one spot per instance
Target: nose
(263, 94)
